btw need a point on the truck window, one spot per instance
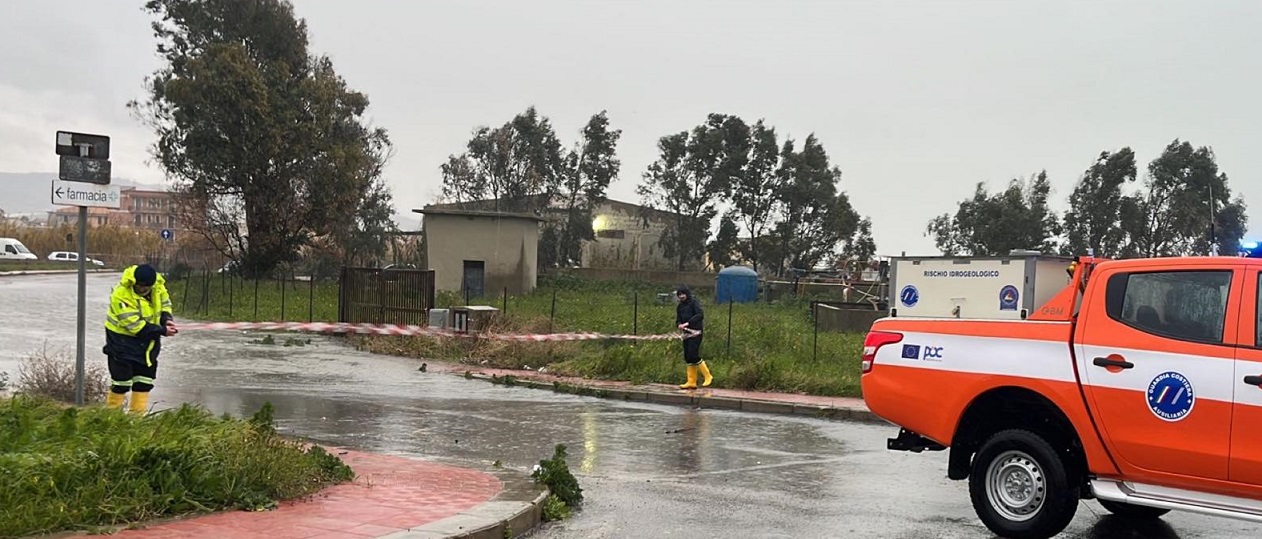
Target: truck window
(1184, 305)
(10, 249)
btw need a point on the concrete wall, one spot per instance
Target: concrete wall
(848, 320)
(508, 247)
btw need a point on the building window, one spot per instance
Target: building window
(612, 234)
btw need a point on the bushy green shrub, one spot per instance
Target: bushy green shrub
(67, 468)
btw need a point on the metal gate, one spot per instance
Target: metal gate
(385, 296)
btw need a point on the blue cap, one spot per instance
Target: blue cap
(146, 275)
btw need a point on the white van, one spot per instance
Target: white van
(12, 249)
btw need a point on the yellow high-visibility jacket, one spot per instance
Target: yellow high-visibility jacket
(134, 324)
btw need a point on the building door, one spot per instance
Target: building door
(474, 278)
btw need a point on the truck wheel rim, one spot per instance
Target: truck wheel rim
(1015, 486)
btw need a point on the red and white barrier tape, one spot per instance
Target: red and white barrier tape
(394, 329)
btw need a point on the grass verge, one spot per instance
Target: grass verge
(773, 347)
(90, 469)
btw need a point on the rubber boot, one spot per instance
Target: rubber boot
(115, 400)
(692, 378)
(705, 374)
(139, 402)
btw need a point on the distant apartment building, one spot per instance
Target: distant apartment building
(138, 208)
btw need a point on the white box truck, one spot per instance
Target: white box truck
(1000, 287)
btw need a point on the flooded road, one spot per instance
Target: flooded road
(646, 470)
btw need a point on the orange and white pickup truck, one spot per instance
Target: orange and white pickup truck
(1138, 384)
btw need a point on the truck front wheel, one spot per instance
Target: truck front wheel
(1020, 487)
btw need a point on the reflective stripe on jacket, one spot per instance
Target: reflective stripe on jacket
(135, 324)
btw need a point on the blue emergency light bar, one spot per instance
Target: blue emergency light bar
(1250, 249)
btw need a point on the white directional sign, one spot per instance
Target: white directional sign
(85, 194)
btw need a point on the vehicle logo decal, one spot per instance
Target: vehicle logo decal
(1008, 297)
(909, 296)
(1170, 396)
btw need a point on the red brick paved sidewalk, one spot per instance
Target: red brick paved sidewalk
(390, 494)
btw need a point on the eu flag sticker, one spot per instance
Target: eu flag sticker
(911, 351)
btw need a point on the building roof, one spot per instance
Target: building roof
(554, 206)
(430, 210)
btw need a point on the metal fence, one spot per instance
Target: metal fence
(385, 296)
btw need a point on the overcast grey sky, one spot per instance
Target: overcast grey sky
(915, 101)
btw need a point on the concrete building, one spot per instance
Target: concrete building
(481, 252)
(627, 235)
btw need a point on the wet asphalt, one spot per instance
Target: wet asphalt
(646, 470)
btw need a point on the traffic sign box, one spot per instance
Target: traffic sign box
(69, 144)
(84, 157)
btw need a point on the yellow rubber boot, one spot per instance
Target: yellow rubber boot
(115, 400)
(692, 378)
(705, 374)
(139, 402)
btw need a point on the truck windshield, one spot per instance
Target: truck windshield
(22, 249)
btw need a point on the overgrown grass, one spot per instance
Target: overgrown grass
(772, 348)
(218, 297)
(67, 468)
(52, 375)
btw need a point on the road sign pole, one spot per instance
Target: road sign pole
(83, 289)
(85, 158)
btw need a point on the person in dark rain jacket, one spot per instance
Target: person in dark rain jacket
(690, 317)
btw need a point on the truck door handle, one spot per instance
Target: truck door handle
(1253, 380)
(1107, 362)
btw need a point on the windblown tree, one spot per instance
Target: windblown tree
(589, 169)
(1097, 204)
(988, 225)
(755, 191)
(815, 218)
(521, 167)
(693, 174)
(517, 166)
(252, 128)
(1183, 195)
(724, 244)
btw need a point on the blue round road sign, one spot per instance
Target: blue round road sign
(1170, 396)
(166, 234)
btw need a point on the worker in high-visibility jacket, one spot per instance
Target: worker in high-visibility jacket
(138, 317)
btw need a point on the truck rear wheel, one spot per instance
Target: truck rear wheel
(1020, 487)
(1132, 511)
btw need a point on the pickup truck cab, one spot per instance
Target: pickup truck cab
(1138, 385)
